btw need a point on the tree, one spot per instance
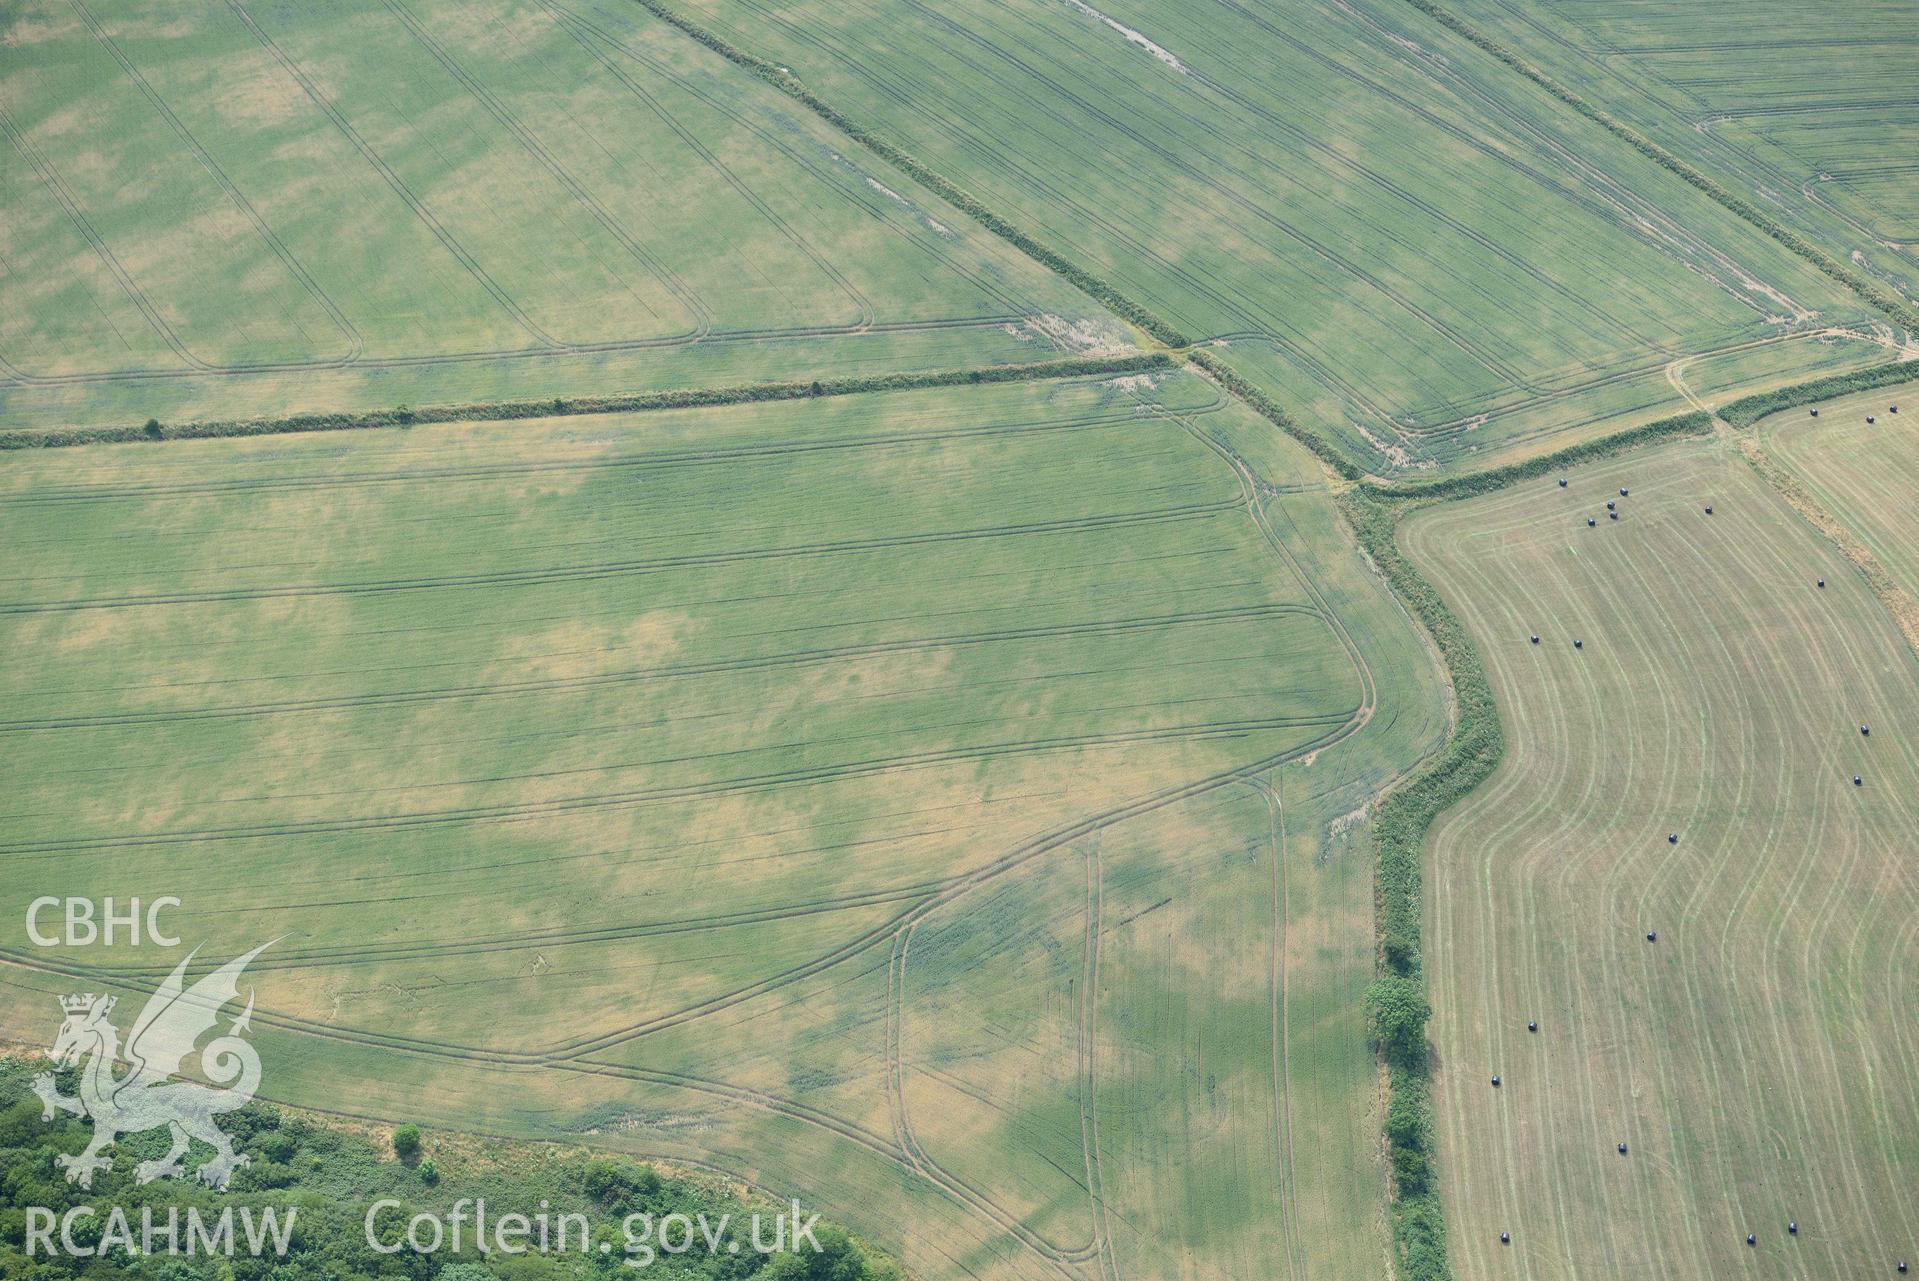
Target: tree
(1399, 1011)
(429, 1172)
(1411, 1171)
(153, 428)
(619, 1187)
(837, 1259)
(406, 1142)
(1405, 1126)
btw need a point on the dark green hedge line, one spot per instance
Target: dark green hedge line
(1267, 408)
(1889, 304)
(794, 88)
(1480, 482)
(1397, 999)
(559, 406)
(1750, 409)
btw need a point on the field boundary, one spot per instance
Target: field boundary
(1748, 410)
(1744, 414)
(1403, 817)
(1892, 306)
(565, 406)
(1396, 1000)
(1096, 287)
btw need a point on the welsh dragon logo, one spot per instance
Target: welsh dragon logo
(150, 1093)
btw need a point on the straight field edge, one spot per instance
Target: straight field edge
(561, 406)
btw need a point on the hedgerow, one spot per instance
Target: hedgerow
(1750, 409)
(501, 410)
(1480, 482)
(1396, 1000)
(1267, 408)
(1403, 817)
(1872, 294)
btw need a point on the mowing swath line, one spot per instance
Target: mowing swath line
(794, 658)
(1445, 871)
(1612, 607)
(1639, 637)
(575, 573)
(1794, 709)
(1794, 675)
(1468, 612)
(1578, 805)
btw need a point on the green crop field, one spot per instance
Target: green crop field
(254, 208)
(1757, 1059)
(1379, 224)
(1808, 109)
(961, 612)
(1866, 475)
(769, 792)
